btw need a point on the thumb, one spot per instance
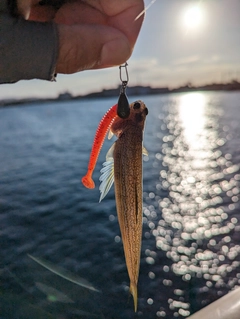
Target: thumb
(83, 47)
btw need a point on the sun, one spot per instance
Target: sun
(193, 18)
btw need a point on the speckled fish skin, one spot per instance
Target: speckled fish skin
(128, 186)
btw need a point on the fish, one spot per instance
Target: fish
(124, 167)
(64, 273)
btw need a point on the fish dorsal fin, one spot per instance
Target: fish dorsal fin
(110, 134)
(144, 151)
(107, 174)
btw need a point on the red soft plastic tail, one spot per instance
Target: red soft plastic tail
(100, 135)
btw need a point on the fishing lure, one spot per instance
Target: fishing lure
(121, 109)
(124, 165)
(100, 135)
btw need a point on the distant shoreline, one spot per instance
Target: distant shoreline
(131, 91)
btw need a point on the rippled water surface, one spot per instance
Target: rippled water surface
(191, 230)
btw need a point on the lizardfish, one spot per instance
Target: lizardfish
(124, 165)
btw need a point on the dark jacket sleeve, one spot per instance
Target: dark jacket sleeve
(28, 50)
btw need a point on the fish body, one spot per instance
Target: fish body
(124, 166)
(127, 157)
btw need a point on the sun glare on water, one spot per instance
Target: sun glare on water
(193, 18)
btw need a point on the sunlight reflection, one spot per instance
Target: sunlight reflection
(191, 212)
(192, 115)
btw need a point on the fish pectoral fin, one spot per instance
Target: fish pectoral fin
(144, 151)
(107, 174)
(109, 155)
(110, 134)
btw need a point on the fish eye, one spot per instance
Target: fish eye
(146, 111)
(136, 105)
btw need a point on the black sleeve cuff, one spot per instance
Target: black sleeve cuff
(28, 49)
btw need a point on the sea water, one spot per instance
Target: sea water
(191, 225)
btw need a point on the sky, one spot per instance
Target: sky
(181, 41)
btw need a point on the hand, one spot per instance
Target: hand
(93, 34)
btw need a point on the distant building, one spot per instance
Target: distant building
(65, 96)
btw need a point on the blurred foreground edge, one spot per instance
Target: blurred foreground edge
(227, 307)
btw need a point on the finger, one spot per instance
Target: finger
(126, 21)
(90, 47)
(118, 14)
(79, 13)
(121, 15)
(42, 13)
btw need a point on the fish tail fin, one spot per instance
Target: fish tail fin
(88, 181)
(133, 291)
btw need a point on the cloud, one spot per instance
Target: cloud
(216, 58)
(187, 60)
(142, 64)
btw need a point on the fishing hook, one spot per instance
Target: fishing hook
(123, 108)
